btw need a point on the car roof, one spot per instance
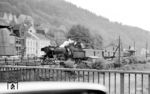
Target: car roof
(47, 85)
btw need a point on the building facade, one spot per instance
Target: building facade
(34, 42)
(42, 41)
(31, 47)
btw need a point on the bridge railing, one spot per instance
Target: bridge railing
(116, 81)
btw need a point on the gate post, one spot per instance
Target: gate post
(121, 83)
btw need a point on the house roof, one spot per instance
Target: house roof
(30, 36)
(41, 36)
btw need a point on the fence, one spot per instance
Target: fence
(24, 62)
(117, 82)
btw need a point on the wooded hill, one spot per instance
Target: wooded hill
(60, 13)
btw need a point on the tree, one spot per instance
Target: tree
(81, 34)
(97, 41)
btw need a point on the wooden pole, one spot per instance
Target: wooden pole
(119, 53)
(134, 47)
(146, 49)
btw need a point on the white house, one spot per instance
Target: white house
(34, 43)
(42, 41)
(31, 46)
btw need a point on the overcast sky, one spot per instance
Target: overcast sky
(129, 12)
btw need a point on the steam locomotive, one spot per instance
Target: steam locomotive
(73, 51)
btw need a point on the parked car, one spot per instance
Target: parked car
(53, 88)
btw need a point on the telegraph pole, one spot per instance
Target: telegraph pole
(146, 49)
(119, 59)
(134, 47)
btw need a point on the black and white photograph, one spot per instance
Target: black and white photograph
(74, 47)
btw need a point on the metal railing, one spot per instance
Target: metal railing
(117, 81)
(25, 62)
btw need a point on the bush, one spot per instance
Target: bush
(69, 64)
(83, 65)
(148, 60)
(129, 60)
(99, 64)
(141, 60)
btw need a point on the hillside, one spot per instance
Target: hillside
(60, 13)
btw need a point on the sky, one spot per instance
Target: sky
(128, 12)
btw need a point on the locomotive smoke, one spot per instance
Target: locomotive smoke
(66, 43)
